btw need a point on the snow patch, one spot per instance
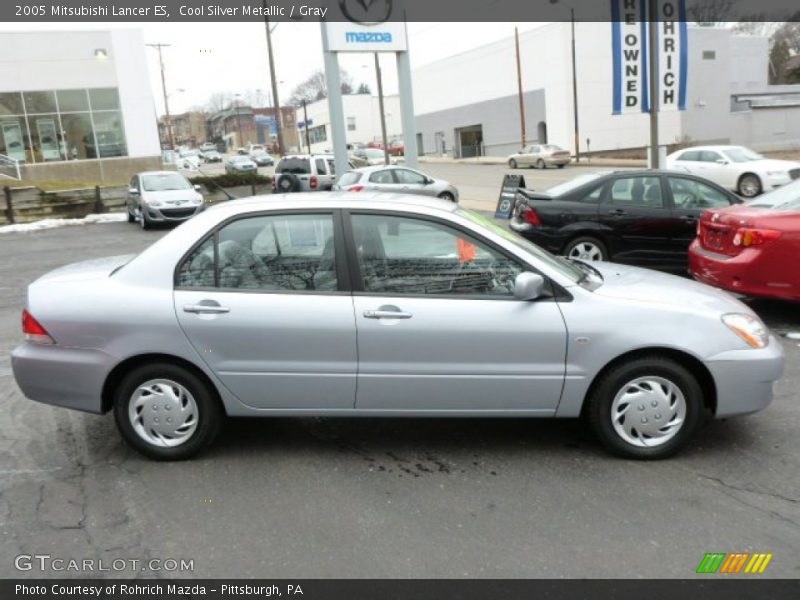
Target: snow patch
(53, 223)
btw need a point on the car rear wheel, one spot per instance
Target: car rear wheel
(647, 408)
(749, 185)
(540, 164)
(166, 412)
(447, 196)
(561, 166)
(587, 249)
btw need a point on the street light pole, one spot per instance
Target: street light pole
(519, 87)
(575, 90)
(274, 82)
(305, 126)
(170, 137)
(655, 162)
(238, 121)
(380, 108)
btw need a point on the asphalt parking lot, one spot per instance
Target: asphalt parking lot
(444, 498)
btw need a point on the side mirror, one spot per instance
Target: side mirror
(528, 286)
(428, 181)
(133, 191)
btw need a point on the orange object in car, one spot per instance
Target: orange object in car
(466, 251)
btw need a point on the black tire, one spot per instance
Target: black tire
(587, 239)
(613, 381)
(287, 183)
(143, 220)
(447, 196)
(209, 411)
(540, 164)
(131, 216)
(512, 163)
(749, 185)
(561, 166)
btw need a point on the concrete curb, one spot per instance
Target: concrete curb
(629, 163)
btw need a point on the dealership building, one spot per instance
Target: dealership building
(468, 104)
(77, 105)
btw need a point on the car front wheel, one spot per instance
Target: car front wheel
(447, 196)
(749, 185)
(646, 408)
(512, 163)
(166, 412)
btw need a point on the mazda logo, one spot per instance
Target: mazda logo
(366, 12)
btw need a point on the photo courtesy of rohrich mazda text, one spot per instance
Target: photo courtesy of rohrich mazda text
(508, 289)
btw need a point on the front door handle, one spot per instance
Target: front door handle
(206, 309)
(386, 314)
(689, 218)
(617, 211)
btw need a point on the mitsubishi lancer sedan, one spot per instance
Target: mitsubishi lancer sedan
(354, 304)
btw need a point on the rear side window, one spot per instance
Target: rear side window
(592, 196)
(321, 167)
(637, 191)
(349, 178)
(692, 155)
(298, 166)
(381, 177)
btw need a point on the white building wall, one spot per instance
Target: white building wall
(37, 61)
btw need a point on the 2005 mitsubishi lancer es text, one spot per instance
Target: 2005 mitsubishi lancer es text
(354, 305)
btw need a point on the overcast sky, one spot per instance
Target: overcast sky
(232, 57)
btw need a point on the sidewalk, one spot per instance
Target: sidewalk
(626, 163)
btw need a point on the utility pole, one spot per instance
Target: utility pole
(519, 87)
(380, 108)
(305, 126)
(274, 83)
(170, 138)
(575, 89)
(653, 69)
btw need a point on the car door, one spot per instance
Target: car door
(264, 303)
(411, 182)
(438, 326)
(717, 168)
(637, 218)
(690, 198)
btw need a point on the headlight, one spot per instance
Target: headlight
(153, 203)
(750, 329)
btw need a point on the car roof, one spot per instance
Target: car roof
(728, 147)
(321, 155)
(333, 200)
(165, 172)
(373, 168)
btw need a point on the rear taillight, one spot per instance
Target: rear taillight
(313, 182)
(531, 217)
(754, 237)
(33, 330)
(355, 188)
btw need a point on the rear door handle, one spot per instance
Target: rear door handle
(617, 211)
(386, 314)
(689, 218)
(206, 309)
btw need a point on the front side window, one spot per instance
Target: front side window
(637, 191)
(288, 253)
(405, 255)
(688, 193)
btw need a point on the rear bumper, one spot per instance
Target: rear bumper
(558, 160)
(68, 377)
(751, 273)
(550, 240)
(744, 378)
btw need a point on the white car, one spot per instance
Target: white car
(374, 156)
(188, 159)
(735, 167)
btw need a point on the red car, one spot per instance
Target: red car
(752, 249)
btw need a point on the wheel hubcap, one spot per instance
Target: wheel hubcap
(163, 413)
(648, 411)
(749, 187)
(586, 251)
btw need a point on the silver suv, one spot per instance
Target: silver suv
(304, 173)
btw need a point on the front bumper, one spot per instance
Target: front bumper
(744, 378)
(172, 214)
(68, 377)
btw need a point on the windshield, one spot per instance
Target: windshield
(786, 197)
(164, 182)
(373, 153)
(740, 155)
(185, 153)
(567, 186)
(240, 159)
(298, 166)
(552, 148)
(562, 265)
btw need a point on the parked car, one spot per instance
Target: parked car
(752, 249)
(262, 159)
(357, 160)
(397, 148)
(736, 168)
(540, 156)
(206, 146)
(400, 180)
(304, 173)
(644, 218)
(212, 156)
(346, 305)
(240, 164)
(251, 149)
(162, 197)
(188, 159)
(374, 156)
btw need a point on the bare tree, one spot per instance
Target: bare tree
(316, 88)
(217, 101)
(711, 13)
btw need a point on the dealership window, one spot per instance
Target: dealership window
(351, 123)
(318, 134)
(55, 125)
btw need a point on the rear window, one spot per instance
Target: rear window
(349, 178)
(298, 166)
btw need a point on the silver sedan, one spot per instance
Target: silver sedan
(376, 305)
(540, 156)
(399, 180)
